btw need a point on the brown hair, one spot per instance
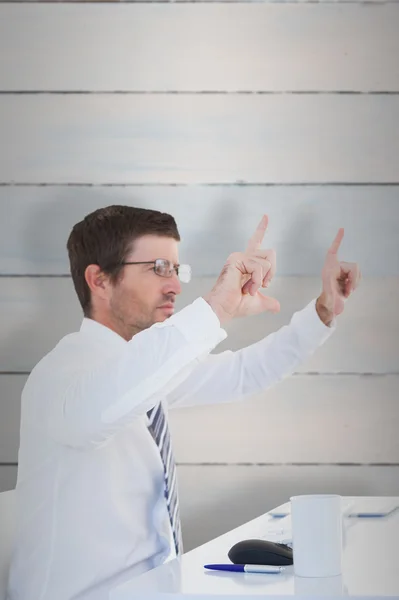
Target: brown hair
(106, 236)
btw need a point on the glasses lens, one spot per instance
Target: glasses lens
(184, 273)
(163, 267)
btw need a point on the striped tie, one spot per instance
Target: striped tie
(158, 427)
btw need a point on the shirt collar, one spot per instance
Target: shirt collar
(101, 332)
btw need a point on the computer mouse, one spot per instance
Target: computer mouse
(260, 552)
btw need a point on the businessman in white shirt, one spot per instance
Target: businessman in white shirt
(97, 489)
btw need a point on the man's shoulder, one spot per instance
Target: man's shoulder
(70, 342)
(71, 352)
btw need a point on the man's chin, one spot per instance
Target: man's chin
(161, 318)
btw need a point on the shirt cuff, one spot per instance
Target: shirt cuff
(313, 325)
(197, 322)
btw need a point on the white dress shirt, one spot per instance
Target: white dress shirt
(90, 489)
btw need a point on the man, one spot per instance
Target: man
(97, 489)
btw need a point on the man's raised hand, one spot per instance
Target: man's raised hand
(236, 293)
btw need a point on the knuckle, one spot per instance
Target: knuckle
(234, 257)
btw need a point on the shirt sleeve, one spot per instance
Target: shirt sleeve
(231, 376)
(87, 405)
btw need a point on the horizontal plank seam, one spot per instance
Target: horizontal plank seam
(287, 464)
(377, 2)
(200, 92)
(35, 276)
(202, 276)
(238, 183)
(296, 374)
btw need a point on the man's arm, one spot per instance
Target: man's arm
(231, 376)
(324, 311)
(85, 400)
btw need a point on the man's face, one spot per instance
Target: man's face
(137, 300)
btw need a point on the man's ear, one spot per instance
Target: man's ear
(97, 281)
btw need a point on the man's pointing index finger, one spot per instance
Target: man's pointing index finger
(256, 240)
(337, 242)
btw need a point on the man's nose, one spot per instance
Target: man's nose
(174, 284)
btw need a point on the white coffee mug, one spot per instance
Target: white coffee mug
(317, 535)
(319, 586)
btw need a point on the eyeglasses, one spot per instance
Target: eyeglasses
(164, 268)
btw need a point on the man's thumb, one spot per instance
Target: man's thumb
(270, 304)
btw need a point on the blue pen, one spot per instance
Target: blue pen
(246, 568)
(367, 515)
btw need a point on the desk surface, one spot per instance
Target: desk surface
(370, 563)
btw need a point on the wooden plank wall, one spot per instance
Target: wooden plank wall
(216, 112)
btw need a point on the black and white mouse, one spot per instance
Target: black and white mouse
(260, 552)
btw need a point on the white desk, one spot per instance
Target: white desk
(370, 564)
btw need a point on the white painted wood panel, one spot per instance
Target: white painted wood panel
(197, 47)
(36, 313)
(214, 500)
(304, 419)
(213, 221)
(8, 477)
(199, 138)
(10, 412)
